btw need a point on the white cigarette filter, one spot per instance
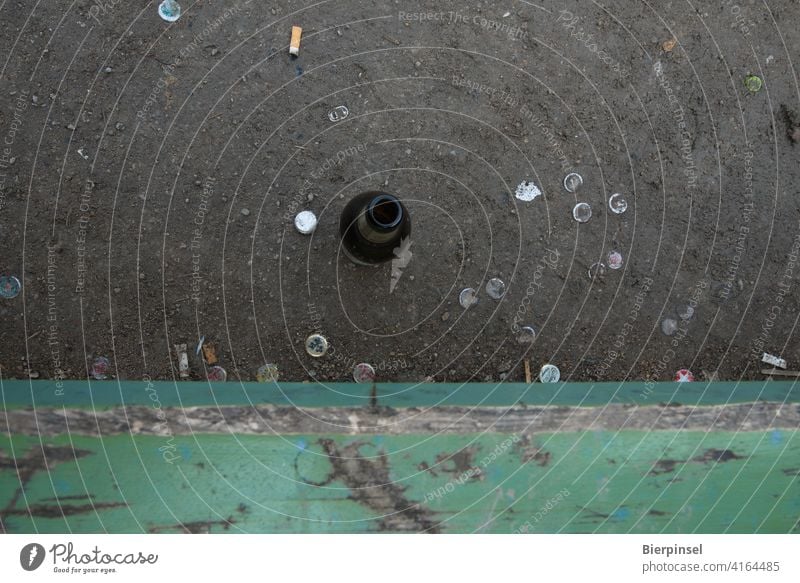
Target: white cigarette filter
(183, 360)
(294, 45)
(773, 360)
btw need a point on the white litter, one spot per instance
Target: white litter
(305, 222)
(773, 360)
(527, 191)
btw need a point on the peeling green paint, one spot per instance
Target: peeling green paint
(103, 394)
(616, 482)
(671, 481)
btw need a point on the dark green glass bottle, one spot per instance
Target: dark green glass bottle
(372, 226)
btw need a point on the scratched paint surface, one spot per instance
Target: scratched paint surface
(629, 481)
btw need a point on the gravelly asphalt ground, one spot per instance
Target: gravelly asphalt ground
(150, 173)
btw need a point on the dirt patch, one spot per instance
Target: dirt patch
(151, 173)
(370, 484)
(62, 510)
(457, 463)
(716, 456)
(195, 527)
(37, 460)
(666, 466)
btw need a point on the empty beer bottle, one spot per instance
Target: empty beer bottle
(372, 226)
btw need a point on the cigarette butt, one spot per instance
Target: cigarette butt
(528, 371)
(294, 45)
(209, 354)
(183, 361)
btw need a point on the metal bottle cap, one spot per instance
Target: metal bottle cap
(363, 373)
(100, 368)
(305, 222)
(597, 270)
(267, 373)
(582, 212)
(9, 286)
(549, 374)
(217, 374)
(527, 334)
(614, 260)
(316, 345)
(753, 83)
(495, 288)
(338, 113)
(572, 182)
(468, 297)
(617, 203)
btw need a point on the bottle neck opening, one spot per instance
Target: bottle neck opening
(385, 212)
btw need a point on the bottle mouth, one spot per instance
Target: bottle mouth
(385, 211)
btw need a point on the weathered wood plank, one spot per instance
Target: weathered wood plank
(610, 481)
(270, 420)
